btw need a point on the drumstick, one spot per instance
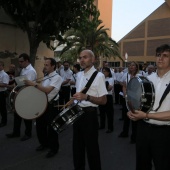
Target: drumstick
(71, 100)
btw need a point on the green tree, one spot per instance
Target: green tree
(90, 34)
(44, 20)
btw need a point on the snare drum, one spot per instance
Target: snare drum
(141, 94)
(28, 101)
(67, 117)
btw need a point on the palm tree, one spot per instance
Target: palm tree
(91, 35)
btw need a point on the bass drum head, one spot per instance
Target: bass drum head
(134, 92)
(30, 102)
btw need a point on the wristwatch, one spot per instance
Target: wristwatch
(88, 98)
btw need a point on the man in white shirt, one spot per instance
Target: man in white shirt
(153, 131)
(4, 80)
(30, 73)
(66, 74)
(50, 85)
(85, 129)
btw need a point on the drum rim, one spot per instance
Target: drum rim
(25, 86)
(140, 80)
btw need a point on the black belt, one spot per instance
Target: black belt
(154, 125)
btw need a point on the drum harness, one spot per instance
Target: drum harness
(167, 90)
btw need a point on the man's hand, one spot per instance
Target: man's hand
(80, 96)
(137, 115)
(29, 83)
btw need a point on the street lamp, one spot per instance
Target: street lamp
(126, 59)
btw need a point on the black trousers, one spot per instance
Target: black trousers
(107, 110)
(126, 123)
(45, 133)
(85, 139)
(17, 125)
(117, 89)
(3, 110)
(152, 145)
(64, 95)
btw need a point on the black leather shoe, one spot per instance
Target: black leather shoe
(2, 124)
(41, 148)
(25, 137)
(12, 135)
(51, 153)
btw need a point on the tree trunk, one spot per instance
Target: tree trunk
(33, 52)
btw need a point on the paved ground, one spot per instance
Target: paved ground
(116, 153)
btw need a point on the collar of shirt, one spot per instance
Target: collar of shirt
(2, 71)
(89, 72)
(51, 74)
(27, 68)
(166, 74)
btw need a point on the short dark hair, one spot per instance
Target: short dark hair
(53, 62)
(108, 70)
(162, 48)
(66, 62)
(25, 56)
(77, 66)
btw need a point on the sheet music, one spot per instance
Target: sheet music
(20, 80)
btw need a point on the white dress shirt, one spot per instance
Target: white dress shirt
(29, 72)
(97, 88)
(160, 85)
(54, 80)
(4, 79)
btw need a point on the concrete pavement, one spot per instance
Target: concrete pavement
(116, 153)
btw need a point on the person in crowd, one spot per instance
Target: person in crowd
(4, 80)
(30, 73)
(150, 70)
(141, 72)
(107, 109)
(153, 131)
(117, 85)
(66, 74)
(10, 86)
(59, 67)
(85, 129)
(132, 72)
(106, 64)
(76, 70)
(50, 85)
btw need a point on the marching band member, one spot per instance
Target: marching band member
(85, 129)
(50, 85)
(153, 130)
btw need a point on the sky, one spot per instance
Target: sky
(127, 14)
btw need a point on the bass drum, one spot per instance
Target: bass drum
(28, 101)
(140, 94)
(67, 117)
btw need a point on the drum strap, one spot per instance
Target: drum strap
(87, 86)
(167, 90)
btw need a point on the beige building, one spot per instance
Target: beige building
(141, 42)
(105, 8)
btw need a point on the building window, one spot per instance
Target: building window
(151, 63)
(114, 64)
